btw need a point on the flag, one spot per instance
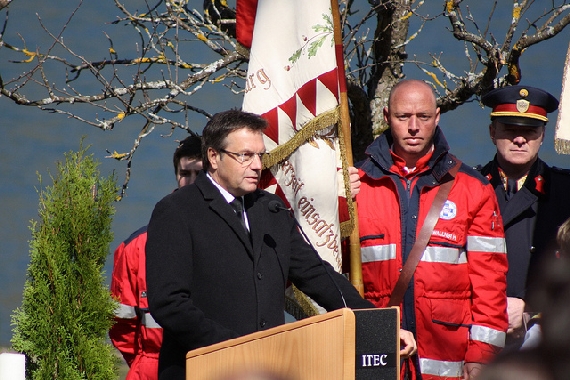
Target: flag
(562, 131)
(294, 82)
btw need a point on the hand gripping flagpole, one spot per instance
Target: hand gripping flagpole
(345, 137)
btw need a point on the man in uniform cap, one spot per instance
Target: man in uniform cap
(533, 197)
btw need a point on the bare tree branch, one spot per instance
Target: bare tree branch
(179, 50)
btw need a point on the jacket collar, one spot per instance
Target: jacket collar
(379, 159)
(537, 180)
(220, 206)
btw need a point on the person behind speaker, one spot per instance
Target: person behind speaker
(209, 278)
(455, 302)
(135, 333)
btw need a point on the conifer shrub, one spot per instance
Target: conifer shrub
(67, 309)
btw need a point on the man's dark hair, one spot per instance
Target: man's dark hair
(222, 124)
(190, 147)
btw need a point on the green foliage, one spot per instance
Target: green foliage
(67, 308)
(314, 43)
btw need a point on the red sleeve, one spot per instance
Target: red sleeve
(487, 262)
(124, 288)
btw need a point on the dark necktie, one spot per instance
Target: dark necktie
(511, 188)
(237, 205)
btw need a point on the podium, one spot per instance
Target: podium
(343, 344)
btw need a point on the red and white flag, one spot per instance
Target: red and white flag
(294, 82)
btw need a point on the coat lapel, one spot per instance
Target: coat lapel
(521, 201)
(218, 204)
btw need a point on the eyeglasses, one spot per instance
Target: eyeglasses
(245, 158)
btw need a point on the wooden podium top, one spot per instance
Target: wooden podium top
(319, 347)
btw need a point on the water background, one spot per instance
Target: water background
(32, 141)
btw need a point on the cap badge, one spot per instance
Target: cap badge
(523, 92)
(522, 105)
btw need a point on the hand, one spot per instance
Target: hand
(354, 181)
(515, 309)
(408, 345)
(471, 370)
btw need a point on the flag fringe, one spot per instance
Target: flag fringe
(562, 130)
(309, 131)
(299, 305)
(562, 146)
(347, 226)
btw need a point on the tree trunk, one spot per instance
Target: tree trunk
(389, 52)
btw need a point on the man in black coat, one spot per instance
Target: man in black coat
(214, 276)
(533, 197)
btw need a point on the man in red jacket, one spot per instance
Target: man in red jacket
(455, 303)
(135, 333)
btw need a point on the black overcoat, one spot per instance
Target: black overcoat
(531, 219)
(207, 282)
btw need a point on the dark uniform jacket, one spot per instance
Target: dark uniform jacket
(207, 282)
(531, 220)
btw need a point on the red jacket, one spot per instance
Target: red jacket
(456, 302)
(135, 333)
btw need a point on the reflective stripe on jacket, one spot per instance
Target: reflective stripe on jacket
(456, 302)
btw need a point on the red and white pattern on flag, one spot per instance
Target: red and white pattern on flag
(293, 82)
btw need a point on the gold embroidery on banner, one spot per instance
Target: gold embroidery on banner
(312, 44)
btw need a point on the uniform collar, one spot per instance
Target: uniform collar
(536, 180)
(504, 179)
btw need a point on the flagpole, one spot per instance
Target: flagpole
(354, 239)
